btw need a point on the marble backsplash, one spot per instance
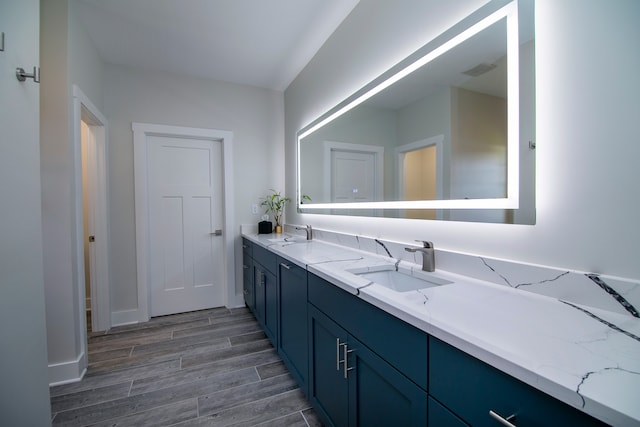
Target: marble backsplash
(597, 291)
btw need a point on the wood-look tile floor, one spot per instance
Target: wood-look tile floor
(206, 368)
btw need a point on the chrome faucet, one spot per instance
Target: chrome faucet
(309, 231)
(428, 255)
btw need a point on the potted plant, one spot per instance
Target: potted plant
(274, 203)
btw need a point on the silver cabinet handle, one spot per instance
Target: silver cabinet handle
(288, 267)
(261, 276)
(504, 421)
(338, 344)
(345, 353)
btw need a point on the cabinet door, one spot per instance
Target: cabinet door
(266, 298)
(271, 307)
(292, 341)
(379, 394)
(328, 389)
(247, 282)
(260, 279)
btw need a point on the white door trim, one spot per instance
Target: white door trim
(402, 150)
(83, 109)
(140, 133)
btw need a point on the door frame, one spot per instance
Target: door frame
(85, 110)
(140, 133)
(401, 152)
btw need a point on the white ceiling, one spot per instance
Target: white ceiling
(263, 43)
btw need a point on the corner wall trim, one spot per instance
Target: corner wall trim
(68, 372)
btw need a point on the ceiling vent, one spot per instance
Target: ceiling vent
(479, 69)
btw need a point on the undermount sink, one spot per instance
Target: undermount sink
(400, 280)
(288, 239)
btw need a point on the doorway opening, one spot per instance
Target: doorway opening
(92, 255)
(420, 175)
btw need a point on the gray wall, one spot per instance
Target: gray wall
(587, 109)
(123, 95)
(67, 58)
(254, 115)
(24, 392)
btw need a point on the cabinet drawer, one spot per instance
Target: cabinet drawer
(397, 342)
(470, 388)
(266, 258)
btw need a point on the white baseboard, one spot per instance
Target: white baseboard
(67, 372)
(124, 317)
(239, 301)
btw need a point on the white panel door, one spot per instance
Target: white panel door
(353, 176)
(185, 210)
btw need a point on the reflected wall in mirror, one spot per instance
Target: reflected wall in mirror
(443, 135)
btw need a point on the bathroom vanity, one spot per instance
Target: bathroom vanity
(459, 351)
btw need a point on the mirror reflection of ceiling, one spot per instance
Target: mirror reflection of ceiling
(459, 99)
(487, 48)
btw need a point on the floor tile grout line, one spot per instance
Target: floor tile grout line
(255, 367)
(271, 396)
(121, 417)
(240, 405)
(305, 418)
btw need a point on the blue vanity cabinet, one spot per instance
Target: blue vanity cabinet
(350, 385)
(470, 389)
(292, 340)
(247, 275)
(402, 345)
(356, 377)
(266, 291)
(438, 415)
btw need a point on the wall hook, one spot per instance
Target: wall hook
(21, 75)
(532, 145)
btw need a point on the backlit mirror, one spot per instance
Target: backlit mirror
(446, 134)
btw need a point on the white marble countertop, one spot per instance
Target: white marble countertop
(584, 356)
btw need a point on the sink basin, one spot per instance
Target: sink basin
(401, 280)
(288, 239)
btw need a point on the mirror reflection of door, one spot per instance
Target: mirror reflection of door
(354, 173)
(353, 177)
(420, 180)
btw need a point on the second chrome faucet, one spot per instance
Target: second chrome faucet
(308, 229)
(428, 255)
